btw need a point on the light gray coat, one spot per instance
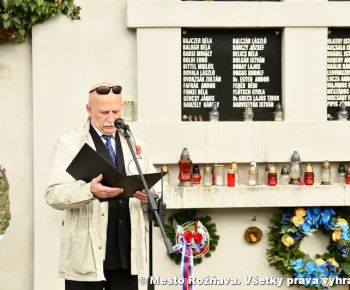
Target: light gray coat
(84, 232)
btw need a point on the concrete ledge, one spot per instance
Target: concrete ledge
(244, 196)
(237, 14)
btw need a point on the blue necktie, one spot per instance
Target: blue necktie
(110, 150)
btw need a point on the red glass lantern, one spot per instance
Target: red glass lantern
(231, 178)
(309, 176)
(272, 176)
(185, 165)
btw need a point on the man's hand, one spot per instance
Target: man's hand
(141, 195)
(100, 191)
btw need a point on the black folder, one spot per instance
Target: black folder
(88, 164)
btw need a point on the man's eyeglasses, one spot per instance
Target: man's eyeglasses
(104, 90)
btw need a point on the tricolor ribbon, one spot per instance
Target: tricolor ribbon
(186, 262)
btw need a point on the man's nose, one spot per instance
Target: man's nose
(110, 117)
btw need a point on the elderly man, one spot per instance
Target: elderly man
(103, 243)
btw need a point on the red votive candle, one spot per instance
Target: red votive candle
(309, 176)
(231, 178)
(347, 178)
(272, 176)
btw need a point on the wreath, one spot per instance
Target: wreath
(5, 214)
(200, 231)
(290, 226)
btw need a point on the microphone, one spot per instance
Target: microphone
(120, 124)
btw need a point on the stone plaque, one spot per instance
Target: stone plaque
(338, 70)
(234, 68)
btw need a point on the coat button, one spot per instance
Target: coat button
(100, 247)
(120, 221)
(103, 214)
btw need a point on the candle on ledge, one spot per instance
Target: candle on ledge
(309, 176)
(219, 174)
(326, 173)
(253, 174)
(231, 176)
(341, 173)
(214, 113)
(342, 113)
(248, 114)
(295, 170)
(166, 177)
(347, 175)
(185, 164)
(196, 175)
(272, 176)
(278, 113)
(207, 176)
(284, 178)
(234, 167)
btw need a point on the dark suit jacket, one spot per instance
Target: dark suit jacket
(118, 229)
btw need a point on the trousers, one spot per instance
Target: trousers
(115, 280)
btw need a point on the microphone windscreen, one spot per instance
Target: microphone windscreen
(119, 123)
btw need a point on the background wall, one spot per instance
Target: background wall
(16, 155)
(44, 85)
(68, 58)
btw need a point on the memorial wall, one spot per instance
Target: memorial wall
(232, 65)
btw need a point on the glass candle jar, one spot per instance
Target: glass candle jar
(166, 177)
(266, 172)
(272, 176)
(219, 174)
(207, 176)
(231, 176)
(309, 176)
(326, 173)
(343, 113)
(278, 113)
(252, 175)
(196, 175)
(284, 178)
(214, 113)
(347, 175)
(295, 170)
(129, 111)
(248, 114)
(234, 167)
(341, 173)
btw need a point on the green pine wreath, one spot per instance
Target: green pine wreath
(183, 217)
(5, 214)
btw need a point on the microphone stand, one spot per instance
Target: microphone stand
(152, 211)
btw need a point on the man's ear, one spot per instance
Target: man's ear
(88, 109)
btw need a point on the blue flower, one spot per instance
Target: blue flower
(313, 215)
(297, 264)
(311, 267)
(286, 217)
(326, 215)
(345, 235)
(344, 250)
(305, 228)
(330, 224)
